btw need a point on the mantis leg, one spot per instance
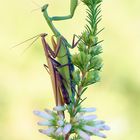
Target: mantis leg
(74, 44)
(57, 46)
(57, 65)
(53, 53)
(60, 85)
(73, 5)
(47, 68)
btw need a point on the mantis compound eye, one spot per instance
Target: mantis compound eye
(43, 34)
(44, 7)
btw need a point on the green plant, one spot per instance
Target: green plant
(88, 64)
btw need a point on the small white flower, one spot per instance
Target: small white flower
(45, 123)
(59, 108)
(105, 127)
(43, 115)
(88, 118)
(102, 127)
(67, 129)
(59, 131)
(48, 111)
(99, 122)
(61, 116)
(60, 123)
(88, 109)
(90, 129)
(99, 134)
(79, 115)
(47, 132)
(83, 135)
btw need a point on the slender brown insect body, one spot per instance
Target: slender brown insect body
(54, 76)
(58, 81)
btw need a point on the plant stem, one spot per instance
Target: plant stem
(80, 88)
(67, 136)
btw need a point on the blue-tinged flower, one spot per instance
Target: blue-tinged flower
(83, 134)
(99, 122)
(88, 118)
(49, 111)
(90, 129)
(55, 123)
(88, 125)
(45, 123)
(50, 131)
(60, 122)
(92, 109)
(99, 134)
(59, 108)
(67, 128)
(43, 115)
(102, 127)
(95, 130)
(59, 131)
(61, 117)
(106, 127)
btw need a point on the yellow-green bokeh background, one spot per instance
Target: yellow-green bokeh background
(25, 85)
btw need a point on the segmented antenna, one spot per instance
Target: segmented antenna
(39, 6)
(36, 37)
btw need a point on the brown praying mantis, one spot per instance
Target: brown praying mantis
(60, 92)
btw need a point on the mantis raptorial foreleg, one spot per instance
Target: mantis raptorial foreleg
(57, 45)
(73, 5)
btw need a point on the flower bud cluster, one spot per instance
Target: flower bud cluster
(87, 61)
(86, 126)
(54, 124)
(82, 125)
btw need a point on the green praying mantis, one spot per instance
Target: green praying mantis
(61, 69)
(58, 59)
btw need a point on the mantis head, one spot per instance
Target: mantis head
(44, 7)
(43, 34)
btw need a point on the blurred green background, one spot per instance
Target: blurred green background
(25, 85)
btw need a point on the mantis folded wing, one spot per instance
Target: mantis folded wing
(53, 73)
(59, 83)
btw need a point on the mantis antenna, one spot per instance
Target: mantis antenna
(36, 37)
(35, 3)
